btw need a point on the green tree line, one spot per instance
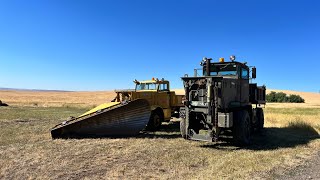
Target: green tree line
(283, 97)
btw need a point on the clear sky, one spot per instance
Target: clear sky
(104, 45)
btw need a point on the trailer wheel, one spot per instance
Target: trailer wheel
(260, 119)
(241, 128)
(154, 122)
(183, 131)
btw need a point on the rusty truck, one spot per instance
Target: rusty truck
(222, 100)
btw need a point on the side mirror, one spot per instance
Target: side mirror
(254, 72)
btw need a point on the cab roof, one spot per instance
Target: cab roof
(232, 62)
(154, 81)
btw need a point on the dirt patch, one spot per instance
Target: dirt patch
(22, 121)
(306, 169)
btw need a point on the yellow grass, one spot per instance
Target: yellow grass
(93, 98)
(56, 99)
(179, 91)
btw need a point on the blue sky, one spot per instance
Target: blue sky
(104, 45)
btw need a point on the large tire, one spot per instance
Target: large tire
(260, 119)
(254, 120)
(154, 122)
(183, 130)
(241, 128)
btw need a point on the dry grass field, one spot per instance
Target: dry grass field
(56, 99)
(27, 151)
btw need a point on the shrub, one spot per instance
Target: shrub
(296, 98)
(271, 97)
(283, 97)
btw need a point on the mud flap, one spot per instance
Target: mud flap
(120, 120)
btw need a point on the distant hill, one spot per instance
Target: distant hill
(31, 97)
(41, 90)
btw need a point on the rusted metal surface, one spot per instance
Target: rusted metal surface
(122, 120)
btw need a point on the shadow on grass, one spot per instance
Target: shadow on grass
(295, 134)
(168, 130)
(274, 138)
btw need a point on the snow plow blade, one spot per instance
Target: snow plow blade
(106, 120)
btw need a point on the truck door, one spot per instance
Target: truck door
(244, 84)
(164, 99)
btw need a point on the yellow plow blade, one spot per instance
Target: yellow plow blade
(100, 107)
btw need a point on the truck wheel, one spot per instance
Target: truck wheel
(260, 119)
(183, 128)
(154, 122)
(241, 128)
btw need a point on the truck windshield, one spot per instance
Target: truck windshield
(223, 70)
(146, 86)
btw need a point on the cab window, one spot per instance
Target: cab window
(163, 87)
(244, 73)
(223, 70)
(146, 86)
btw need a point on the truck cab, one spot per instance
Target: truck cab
(155, 85)
(235, 83)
